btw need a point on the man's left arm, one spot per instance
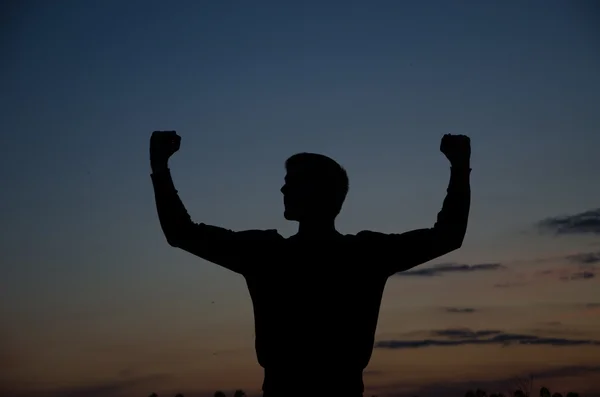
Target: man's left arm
(395, 253)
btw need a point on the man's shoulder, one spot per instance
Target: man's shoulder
(262, 235)
(364, 238)
(369, 235)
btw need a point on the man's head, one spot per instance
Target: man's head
(315, 187)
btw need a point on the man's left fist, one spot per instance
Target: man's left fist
(457, 148)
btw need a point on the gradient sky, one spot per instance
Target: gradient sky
(94, 302)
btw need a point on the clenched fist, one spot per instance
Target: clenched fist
(162, 146)
(457, 149)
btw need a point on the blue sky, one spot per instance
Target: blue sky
(375, 85)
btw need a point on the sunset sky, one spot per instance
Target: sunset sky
(95, 303)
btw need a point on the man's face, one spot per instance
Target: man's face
(298, 197)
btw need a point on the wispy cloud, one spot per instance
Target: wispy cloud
(444, 268)
(580, 266)
(579, 276)
(461, 337)
(460, 310)
(500, 384)
(585, 258)
(551, 323)
(511, 284)
(463, 333)
(587, 222)
(566, 274)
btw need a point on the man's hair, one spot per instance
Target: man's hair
(324, 172)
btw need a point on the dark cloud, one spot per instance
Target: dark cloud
(592, 305)
(463, 333)
(579, 276)
(505, 385)
(575, 276)
(510, 284)
(461, 337)
(566, 275)
(588, 265)
(440, 269)
(460, 310)
(587, 222)
(552, 323)
(585, 258)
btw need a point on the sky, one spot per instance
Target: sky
(94, 302)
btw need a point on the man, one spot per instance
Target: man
(316, 295)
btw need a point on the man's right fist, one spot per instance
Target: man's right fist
(162, 146)
(457, 149)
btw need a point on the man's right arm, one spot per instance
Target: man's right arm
(223, 247)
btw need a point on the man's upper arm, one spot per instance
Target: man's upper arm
(400, 252)
(235, 250)
(393, 253)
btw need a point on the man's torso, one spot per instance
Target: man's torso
(316, 305)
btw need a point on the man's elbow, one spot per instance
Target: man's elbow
(176, 235)
(451, 241)
(451, 238)
(175, 240)
(454, 243)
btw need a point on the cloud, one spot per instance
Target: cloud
(585, 258)
(461, 310)
(567, 274)
(587, 222)
(500, 384)
(462, 333)
(552, 323)
(461, 337)
(579, 276)
(440, 269)
(510, 284)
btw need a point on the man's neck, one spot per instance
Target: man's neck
(316, 229)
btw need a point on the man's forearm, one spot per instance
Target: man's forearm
(158, 166)
(460, 177)
(452, 220)
(172, 214)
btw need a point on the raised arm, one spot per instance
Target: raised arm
(230, 249)
(399, 252)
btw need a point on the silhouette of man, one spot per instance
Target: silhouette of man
(316, 295)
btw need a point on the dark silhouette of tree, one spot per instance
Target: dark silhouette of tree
(239, 393)
(179, 395)
(219, 394)
(153, 395)
(544, 392)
